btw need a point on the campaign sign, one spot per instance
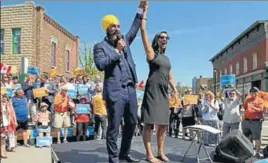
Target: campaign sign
(140, 94)
(226, 80)
(262, 161)
(82, 89)
(17, 86)
(43, 141)
(9, 92)
(72, 93)
(82, 108)
(37, 84)
(32, 70)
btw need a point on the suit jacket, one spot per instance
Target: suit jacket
(107, 60)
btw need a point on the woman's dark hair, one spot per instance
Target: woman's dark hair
(155, 41)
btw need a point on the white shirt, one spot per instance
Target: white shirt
(231, 111)
(211, 114)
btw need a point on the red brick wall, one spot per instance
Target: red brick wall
(260, 49)
(63, 42)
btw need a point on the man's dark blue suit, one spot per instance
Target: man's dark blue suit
(119, 91)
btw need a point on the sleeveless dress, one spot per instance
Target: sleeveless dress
(155, 105)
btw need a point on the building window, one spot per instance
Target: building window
(237, 68)
(231, 69)
(245, 64)
(225, 71)
(53, 54)
(2, 46)
(255, 61)
(67, 60)
(16, 38)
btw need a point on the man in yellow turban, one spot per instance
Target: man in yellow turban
(113, 56)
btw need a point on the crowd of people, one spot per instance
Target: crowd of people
(224, 112)
(57, 110)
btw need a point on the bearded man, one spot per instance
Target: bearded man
(113, 56)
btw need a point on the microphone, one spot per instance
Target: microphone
(124, 50)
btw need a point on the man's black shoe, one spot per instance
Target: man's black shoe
(128, 158)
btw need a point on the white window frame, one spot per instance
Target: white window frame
(54, 40)
(231, 69)
(237, 68)
(245, 65)
(67, 67)
(254, 61)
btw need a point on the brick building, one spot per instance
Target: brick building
(26, 30)
(246, 57)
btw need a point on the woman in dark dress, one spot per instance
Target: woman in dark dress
(155, 105)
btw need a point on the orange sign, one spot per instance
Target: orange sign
(190, 99)
(40, 92)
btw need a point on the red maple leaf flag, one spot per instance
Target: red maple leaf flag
(5, 69)
(140, 84)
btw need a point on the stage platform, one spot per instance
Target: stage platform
(95, 151)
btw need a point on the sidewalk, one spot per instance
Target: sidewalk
(29, 155)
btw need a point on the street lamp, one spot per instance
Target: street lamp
(215, 80)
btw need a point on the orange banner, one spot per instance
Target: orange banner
(190, 99)
(40, 92)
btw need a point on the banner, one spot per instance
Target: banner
(43, 141)
(226, 80)
(40, 92)
(83, 89)
(17, 86)
(9, 92)
(82, 108)
(32, 70)
(72, 91)
(190, 99)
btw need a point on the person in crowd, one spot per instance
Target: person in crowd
(231, 116)
(113, 56)
(82, 121)
(90, 89)
(43, 120)
(28, 87)
(51, 89)
(99, 111)
(174, 118)
(12, 122)
(61, 113)
(189, 114)
(8, 124)
(19, 103)
(15, 80)
(155, 105)
(63, 82)
(210, 109)
(5, 82)
(252, 124)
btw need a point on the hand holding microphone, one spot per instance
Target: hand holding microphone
(120, 44)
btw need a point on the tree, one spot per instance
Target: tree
(86, 60)
(181, 89)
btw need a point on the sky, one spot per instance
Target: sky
(197, 30)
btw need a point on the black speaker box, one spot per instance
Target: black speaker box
(234, 148)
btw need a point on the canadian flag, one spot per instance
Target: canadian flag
(5, 69)
(140, 84)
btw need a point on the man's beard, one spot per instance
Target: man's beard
(113, 37)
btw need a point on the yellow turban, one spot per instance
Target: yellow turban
(108, 20)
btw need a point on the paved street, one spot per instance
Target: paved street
(29, 155)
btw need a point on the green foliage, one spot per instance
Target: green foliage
(86, 60)
(181, 89)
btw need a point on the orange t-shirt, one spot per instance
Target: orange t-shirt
(251, 113)
(82, 118)
(99, 105)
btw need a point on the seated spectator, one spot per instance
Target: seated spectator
(43, 120)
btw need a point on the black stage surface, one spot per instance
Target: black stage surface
(95, 151)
